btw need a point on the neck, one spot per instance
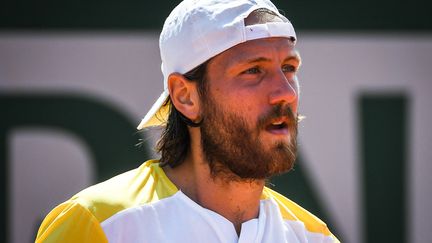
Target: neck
(236, 200)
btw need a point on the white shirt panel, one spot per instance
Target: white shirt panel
(180, 219)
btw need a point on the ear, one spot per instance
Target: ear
(184, 96)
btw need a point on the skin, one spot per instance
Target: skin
(248, 79)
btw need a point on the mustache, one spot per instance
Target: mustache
(277, 112)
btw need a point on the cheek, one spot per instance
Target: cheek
(248, 106)
(246, 102)
(294, 108)
(297, 87)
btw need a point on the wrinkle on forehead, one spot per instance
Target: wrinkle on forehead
(257, 50)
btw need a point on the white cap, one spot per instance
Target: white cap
(197, 30)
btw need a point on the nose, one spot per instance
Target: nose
(284, 91)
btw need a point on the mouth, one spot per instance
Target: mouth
(278, 126)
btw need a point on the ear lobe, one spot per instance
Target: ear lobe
(184, 95)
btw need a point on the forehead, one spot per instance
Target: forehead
(275, 49)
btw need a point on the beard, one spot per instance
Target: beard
(235, 150)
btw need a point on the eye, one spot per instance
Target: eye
(253, 70)
(288, 68)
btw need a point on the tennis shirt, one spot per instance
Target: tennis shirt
(143, 205)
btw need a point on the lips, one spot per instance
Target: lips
(280, 120)
(278, 126)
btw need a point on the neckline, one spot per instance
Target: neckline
(249, 227)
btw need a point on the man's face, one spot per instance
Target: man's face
(250, 111)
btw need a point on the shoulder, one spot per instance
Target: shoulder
(147, 183)
(292, 212)
(70, 222)
(87, 209)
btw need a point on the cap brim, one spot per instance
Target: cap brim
(158, 114)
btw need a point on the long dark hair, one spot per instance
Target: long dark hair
(175, 140)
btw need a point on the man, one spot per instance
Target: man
(229, 108)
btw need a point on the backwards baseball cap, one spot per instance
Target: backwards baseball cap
(197, 30)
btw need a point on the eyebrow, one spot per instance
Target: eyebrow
(295, 57)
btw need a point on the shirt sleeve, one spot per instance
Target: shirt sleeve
(70, 222)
